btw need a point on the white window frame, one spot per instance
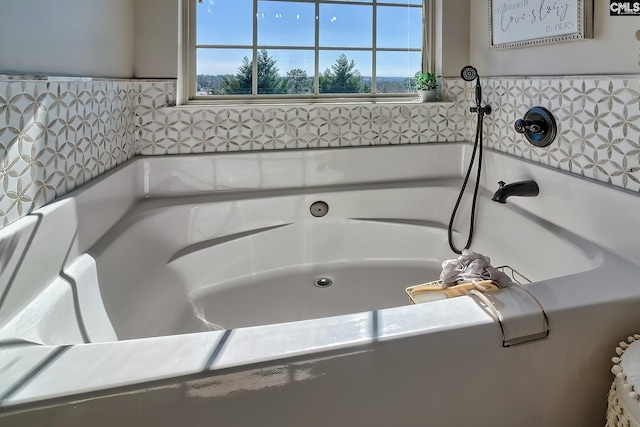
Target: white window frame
(187, 65)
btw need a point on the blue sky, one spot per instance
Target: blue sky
(229, 22)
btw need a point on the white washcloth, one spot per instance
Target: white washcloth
(471, 266)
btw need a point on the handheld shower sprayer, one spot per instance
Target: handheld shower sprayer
(470, 74)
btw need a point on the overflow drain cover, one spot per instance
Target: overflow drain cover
(323, 282)
(319, 209)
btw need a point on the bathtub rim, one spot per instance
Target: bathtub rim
(120, 366)
(251, 345)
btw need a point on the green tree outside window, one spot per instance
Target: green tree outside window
(343, 77)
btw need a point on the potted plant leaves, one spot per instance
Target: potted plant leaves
(427, 85)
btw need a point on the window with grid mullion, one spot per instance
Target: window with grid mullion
(307, 48)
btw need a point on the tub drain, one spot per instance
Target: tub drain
(319, 209)
(323, 282)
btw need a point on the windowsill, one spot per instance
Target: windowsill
(289, 103)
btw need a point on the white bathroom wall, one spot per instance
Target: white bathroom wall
(67, 37)
(614, 49)
(452, 38)
(156, 38)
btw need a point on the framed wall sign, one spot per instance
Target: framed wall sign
(518, 23)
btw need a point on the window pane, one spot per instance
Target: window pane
(285, 71)
(345, 72)
(399, 27)
(346, 25)
(227, 22)
(395, 71)
(402, 1)
(287, 48)
(286, 24)
(418, 2)
(223, 71)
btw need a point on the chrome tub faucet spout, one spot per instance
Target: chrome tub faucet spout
(520, 188)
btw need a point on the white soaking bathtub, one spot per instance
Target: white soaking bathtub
(226, 264)
(183, 290)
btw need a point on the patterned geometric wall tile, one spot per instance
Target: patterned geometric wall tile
(598, 124)
(165, 130)
(58, 134)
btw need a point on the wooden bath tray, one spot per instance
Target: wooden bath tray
(517, 311)
(434, 291)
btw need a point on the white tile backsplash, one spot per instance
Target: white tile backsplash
(598, 123)
(58, 134)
